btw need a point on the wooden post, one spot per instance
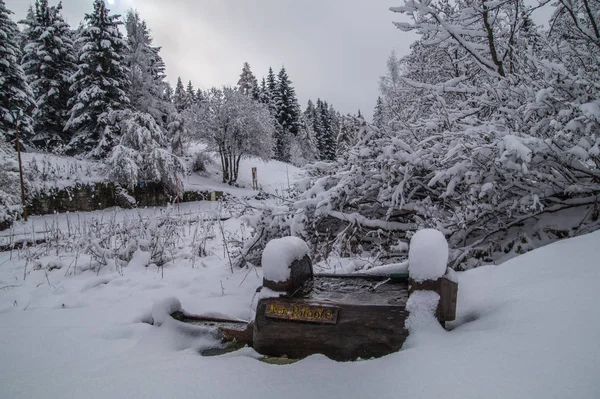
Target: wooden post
(254, 178)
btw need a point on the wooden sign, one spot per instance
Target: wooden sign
(301, 312)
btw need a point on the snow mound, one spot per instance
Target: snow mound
(427, 255)
(163, 309)
(278, 256)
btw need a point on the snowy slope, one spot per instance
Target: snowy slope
(274, 177)
(526, 329)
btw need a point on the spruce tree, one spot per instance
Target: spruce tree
(146, 70)
(247, 84)
(378, 114)
(49, 60)
(190, 95)
(271, 92)
(200, 97)
(100, 84)
(287, 114)
(326, 138)
(180, 96)
(263, 92)
(14, 90)
(168, 92)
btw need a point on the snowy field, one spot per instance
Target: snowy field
(528, 328)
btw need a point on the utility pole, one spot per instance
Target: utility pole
(15, 113)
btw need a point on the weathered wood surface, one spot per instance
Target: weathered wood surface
(227, 330)
(448, 291)
(360, 332)
(369, 323)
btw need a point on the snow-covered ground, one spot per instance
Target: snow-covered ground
(528, 328)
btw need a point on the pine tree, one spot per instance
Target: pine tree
(190, 95)
(271, 83)
(247, 84)
(200, 97)
(100, 84)
(378, 114)
(271, 92)
(263, 92)
(14, 89)
(148, 89)
(142, 154)
(180, 96)
(287, 114)
(168, 92)
(49, 60)
(324, 133)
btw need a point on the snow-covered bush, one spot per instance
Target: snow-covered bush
(489, 135)
(10, 199)
(201, 161)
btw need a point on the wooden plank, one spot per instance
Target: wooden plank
(300, 312)
(448, 300)
(448, 291)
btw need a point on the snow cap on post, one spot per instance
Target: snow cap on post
(427, 255)
(286, 264)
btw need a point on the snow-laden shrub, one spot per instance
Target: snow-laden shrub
(201, 161)
(142, 155)
(489, 132)
(10, 198)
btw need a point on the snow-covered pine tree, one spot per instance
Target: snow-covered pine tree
(263, 92)
(247, 84)
(49, 61)
(200, 97)
(272, 92)
(180, 96)
(379, 114)
(14, 89)
(304, 148)
(146, 70)
(326, 135)
(177, 133)
(190, 95)
(142, 154)
(288, 115)
(100, 84)
(352, 128)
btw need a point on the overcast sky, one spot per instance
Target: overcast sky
(332, 49)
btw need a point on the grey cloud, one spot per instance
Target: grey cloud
(332, 49)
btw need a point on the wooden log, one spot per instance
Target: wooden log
(358, 331)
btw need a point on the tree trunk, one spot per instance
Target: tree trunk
(225, 164)
(237, 166)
